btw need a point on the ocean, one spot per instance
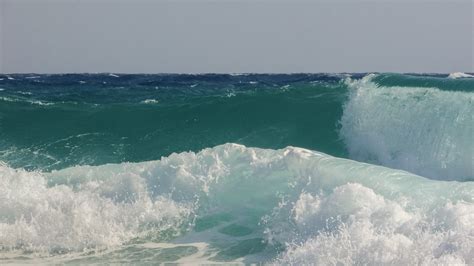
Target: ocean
(326, 169)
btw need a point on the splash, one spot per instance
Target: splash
(426, 131)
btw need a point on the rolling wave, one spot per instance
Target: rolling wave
(291, 205)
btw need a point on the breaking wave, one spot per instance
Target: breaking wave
(247, 204)
(457, 75)
(426, 131)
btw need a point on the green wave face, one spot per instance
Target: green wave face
(113, 123)
(418, 123)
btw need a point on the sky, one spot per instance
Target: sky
(231, 36)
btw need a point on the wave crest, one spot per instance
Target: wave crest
(426, 131)
(457, 75)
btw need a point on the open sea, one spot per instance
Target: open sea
(326, 169)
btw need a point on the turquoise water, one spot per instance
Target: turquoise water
(286, 169)
(64, 122)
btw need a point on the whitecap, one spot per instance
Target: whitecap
(8, 99)
(457, 75)
(24, 92)
(41, 103)
(149, 101)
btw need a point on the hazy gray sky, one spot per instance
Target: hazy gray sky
(46, 36)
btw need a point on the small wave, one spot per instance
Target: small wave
(8, 99)
(24, 92)
(457, 75)
(41, 103)
(113, 75)
(35, 102)
(149, 101)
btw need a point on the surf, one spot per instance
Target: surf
(284, 203)
(274, 169)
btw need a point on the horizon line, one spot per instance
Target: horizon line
(228, 73)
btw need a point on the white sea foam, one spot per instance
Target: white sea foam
(150, 101)
(374, 231)
(426, 131)
(24, 92)
(8, 99)
(34, 216)
(40, 103)
(113, 75)
(35, 102)
(322, 209)
(457, 75)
